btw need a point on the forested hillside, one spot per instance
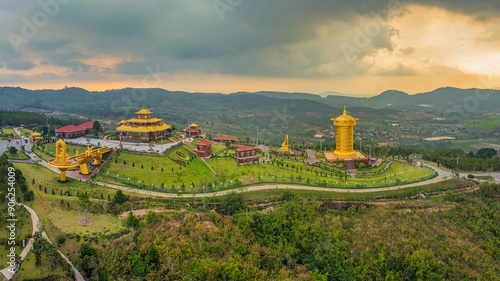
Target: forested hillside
(454, 237)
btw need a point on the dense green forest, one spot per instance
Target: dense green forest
(17, 118)
(453, 237)
(484, 159)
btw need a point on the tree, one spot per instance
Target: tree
(486, 153)
(96, 127)
(132, 221)
(232, 203)
(28, 196)
(12, 150)
(152, 256)
(45, 130)
(119, 198)
(61, 238)
(84, 203)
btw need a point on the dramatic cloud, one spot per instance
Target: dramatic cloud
(326, 45)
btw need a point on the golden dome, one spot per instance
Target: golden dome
(344, 119)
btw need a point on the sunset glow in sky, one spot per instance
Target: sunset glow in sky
(352, 47)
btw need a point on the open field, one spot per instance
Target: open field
(485, 123)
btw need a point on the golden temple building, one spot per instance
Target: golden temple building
(345, 135)
(143, 127)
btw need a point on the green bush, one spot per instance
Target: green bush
(61, 239)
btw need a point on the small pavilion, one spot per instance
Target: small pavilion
(143, 127)
(193, 131)
(36, 138)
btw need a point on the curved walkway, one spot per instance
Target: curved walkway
(34, 220)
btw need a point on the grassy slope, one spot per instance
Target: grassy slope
(23, 228)
(57, 218)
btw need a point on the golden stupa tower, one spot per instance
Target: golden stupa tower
(345, 134)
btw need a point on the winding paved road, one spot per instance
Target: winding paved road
(34, 220)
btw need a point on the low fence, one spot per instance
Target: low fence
(258, 180)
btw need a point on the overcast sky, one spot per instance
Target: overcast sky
(352, 47)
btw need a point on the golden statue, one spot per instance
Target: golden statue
(63, 162)
(284, 146)
(345, 134)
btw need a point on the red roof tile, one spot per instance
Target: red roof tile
(203, 143)
(69, 129)
(245, 148)
(87, 125)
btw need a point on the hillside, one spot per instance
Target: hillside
(453, 237)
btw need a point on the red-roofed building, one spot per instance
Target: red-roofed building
(226, 138)
(204, 149)
(246, 154)
(72, 131)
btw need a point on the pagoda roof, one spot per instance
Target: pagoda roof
(35, 134)
(245, 148)
(204, 143)
(147, 120)
(144, 111)
(345, 118)
(193, 125)
(143, 129)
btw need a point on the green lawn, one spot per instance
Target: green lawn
(488, 178)
(148, 170)
(8, 133)
(374, 169)
(18, 156)
(26, 132)
(71, 150)
(24, 228)
(396, 171)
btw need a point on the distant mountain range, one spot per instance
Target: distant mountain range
(449, 99)
(274, 112)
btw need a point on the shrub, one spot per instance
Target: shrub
(61, 238)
